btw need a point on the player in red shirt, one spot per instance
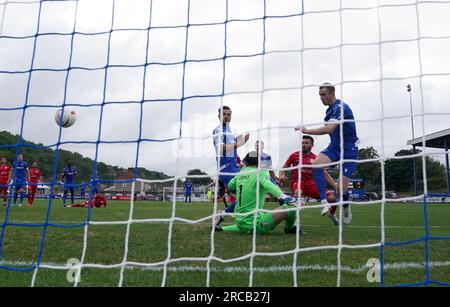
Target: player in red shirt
(99, 201)
(34, 180)
(308, 186)
(5, 179)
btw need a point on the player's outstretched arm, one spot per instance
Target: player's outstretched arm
(273, 176)
(326, 129)
(242, 139)
(275, 191)
(269, 186)
(282, 176)
(232, 184)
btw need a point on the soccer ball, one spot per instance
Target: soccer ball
(67, 119)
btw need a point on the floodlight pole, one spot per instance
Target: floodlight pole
(416, 189)
(447, 166)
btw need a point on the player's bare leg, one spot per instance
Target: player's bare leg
(5, 196)
(31, 195)
(332, 213)
(229, 209)
(347, 218)
(64, 197)
(20, 193)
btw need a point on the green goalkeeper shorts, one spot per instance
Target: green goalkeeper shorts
(264, 223)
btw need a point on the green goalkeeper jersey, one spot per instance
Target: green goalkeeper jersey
(245, 183)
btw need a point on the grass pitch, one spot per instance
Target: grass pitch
(148, 243)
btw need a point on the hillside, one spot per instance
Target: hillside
(46, 156)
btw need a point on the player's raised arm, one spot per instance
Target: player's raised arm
(224, 140)
(232, 184)
(288, 163)
(230, 148)
(326, 129)
(242, 139)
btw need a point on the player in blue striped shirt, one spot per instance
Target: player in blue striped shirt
(226, 145)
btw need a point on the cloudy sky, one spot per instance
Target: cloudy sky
(266, 70)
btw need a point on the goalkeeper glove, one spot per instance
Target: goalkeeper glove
(286, 200)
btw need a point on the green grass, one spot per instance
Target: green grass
(148, 244)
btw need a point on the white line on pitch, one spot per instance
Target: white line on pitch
(270, 269)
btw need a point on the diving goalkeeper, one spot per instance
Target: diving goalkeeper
(245, 183)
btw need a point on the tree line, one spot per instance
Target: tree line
(46, 159)
(399, 173)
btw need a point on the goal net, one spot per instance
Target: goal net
(146, 78)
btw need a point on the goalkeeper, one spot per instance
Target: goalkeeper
(245, 183)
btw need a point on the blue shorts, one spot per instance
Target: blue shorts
(349, 153)
(228, 169)
(223, 185)
(226, 179)
(69, 186)
(20, 186)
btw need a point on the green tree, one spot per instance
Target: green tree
(400, 173)
(46, 158)
(370, 172)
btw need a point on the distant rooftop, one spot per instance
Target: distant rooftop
(434, 140)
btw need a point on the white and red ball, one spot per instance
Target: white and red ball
(65, 118)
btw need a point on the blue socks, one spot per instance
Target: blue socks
(346, 198)
(319, 178)
(16, 195)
